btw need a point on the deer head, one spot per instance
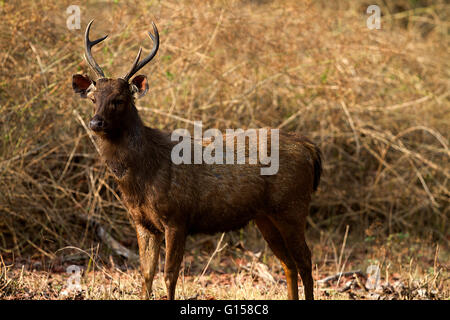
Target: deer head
(113, 98)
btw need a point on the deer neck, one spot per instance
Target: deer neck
(123, 147)
(137, 150)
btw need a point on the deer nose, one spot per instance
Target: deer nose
(97, 124)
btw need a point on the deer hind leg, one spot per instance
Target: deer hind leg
(149, 246)
(291, 225)
(276, 243)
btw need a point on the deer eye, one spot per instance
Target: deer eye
(117, 103)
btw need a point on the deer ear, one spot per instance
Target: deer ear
(139, 86)
(81, 84)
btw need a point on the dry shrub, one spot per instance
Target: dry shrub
(376, 101)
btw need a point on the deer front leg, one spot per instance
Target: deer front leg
(149, 245)
(175, 242)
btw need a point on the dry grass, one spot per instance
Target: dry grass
(377, 103)
(410, 269)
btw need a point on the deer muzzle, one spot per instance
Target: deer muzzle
(97, 124)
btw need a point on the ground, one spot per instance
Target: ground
(409, 269)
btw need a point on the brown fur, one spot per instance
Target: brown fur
(173, 201)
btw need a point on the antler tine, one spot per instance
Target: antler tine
(88, 54)
(138, 65)
(135, 63)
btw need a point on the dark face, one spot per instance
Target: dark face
(113, 100)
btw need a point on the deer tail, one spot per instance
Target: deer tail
(317, 156)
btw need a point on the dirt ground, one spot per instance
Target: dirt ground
(407, 269)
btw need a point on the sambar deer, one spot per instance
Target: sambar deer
(169, 202)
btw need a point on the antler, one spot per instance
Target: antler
(138, 65)
(88, 55)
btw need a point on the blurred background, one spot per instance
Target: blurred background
(375, 101)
